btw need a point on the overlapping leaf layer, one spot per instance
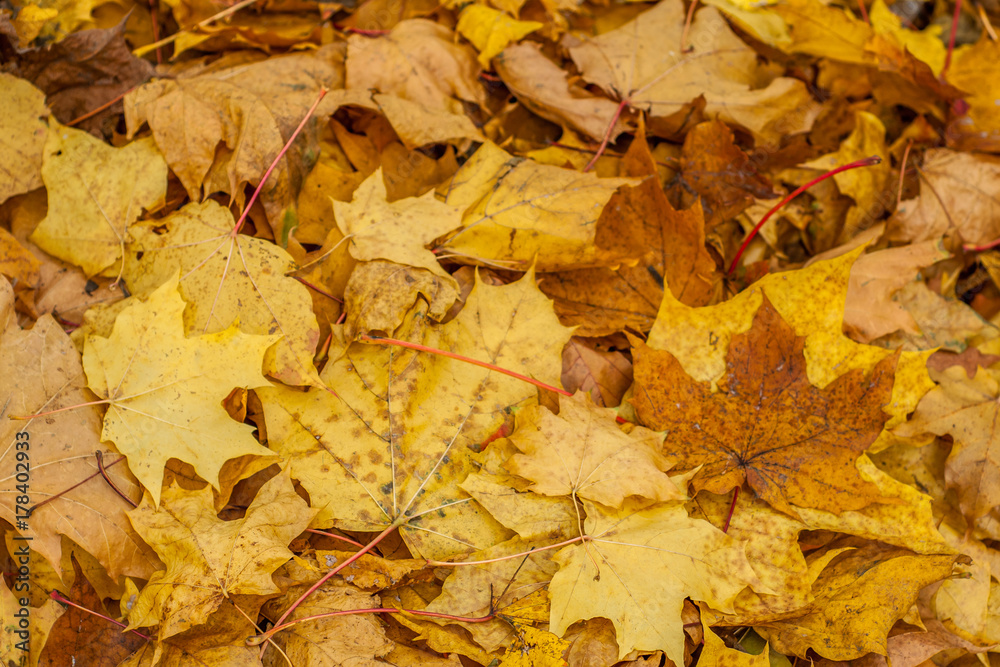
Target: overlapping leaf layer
(392, 333)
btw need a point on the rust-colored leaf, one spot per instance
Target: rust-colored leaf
(793, 443)
(606, 300)
(83, 638)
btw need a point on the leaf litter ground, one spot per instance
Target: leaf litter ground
(505, 524)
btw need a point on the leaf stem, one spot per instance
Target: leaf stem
(257, 640)
(902, 171)
(360, 31)
(864, 12)
(154, 19)
(607, 135)
(951, 37)
(732, 508)
(866, 162)
(94, 112)
(334, 536)
(281, 154)
(318, 290)
(326, 577)
(444, 563)
(103, 401)
(984, 17)
(981, 248)
(104, 473)
(56, 496)
(143, 50)
(59, 598)
(687, 27)
(378, 340)
(256, 627)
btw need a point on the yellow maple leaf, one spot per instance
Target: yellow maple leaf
(630, 63)
(417, 125)
(418, 60)
(220, 640)
(811, 300)
(31, 20)
(772, 542)
(209, 559)
(52, 20)
(226, 280)
(974, 69)
(396, 231)
(534, 647)
(490, 30)
(341, 640)
(754, 17)
(511, 576)
(821, 30)
(42, 372)
(441, 639)
(9, 640)
(861, 593)
(517, 211)
(968, 411)
(609, 575)
(908, 523)
(23, 128)
(394, 442)
(14, 644)
(830, 32)
(926, 45)
(582, 452)
(379, 294)
(164, 391)
(968, 604)
(717, 654)
(95, 192)
(220, 124)
(531, 516)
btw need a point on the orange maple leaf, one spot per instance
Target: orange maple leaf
(794, 443)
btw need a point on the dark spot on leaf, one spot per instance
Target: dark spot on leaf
(656, 276)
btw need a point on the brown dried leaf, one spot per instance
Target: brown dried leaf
(607, 300)
(542, 86)
(605, 374)
(795, 444)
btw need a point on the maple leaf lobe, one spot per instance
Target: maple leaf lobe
(795, 444)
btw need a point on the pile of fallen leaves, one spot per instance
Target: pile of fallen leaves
(405, 333)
